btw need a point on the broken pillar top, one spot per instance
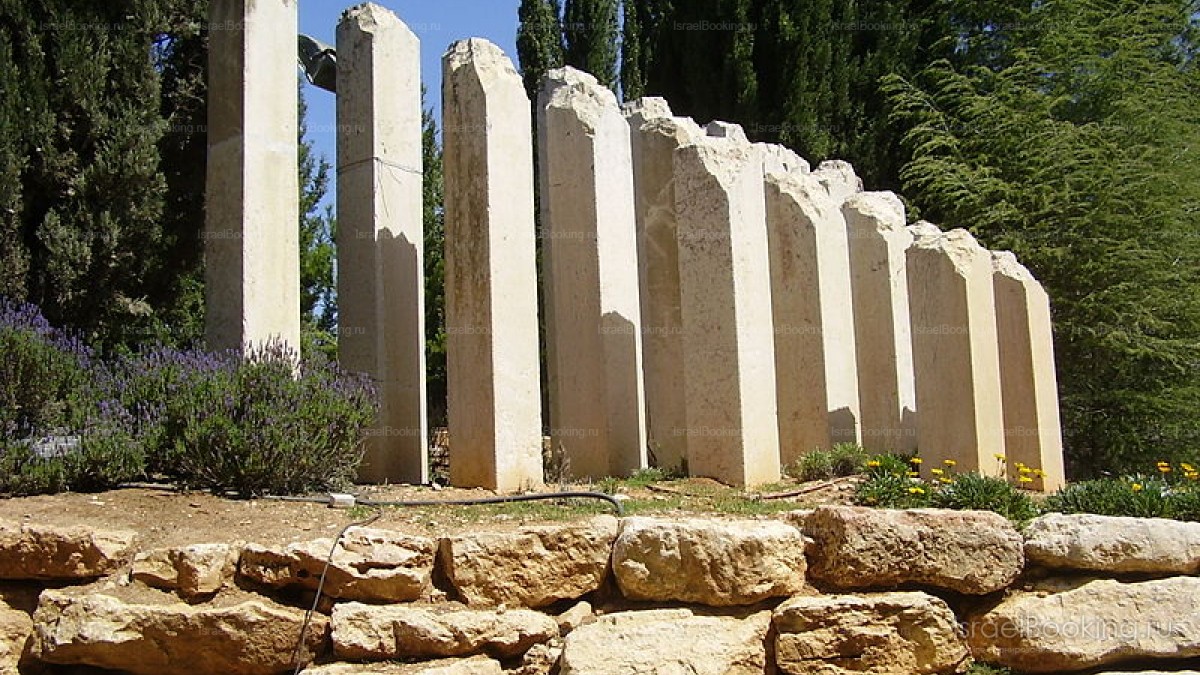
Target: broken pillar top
(372, 18)
(1006, 264)
(722, 157)
(719, 129)
(883, 208)
(959, 247)
(571, 89)
(924, 228)
(778, 159)
(647, 108)
(839, 178)
(484, 56)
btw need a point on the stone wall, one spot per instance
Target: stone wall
(829, 591)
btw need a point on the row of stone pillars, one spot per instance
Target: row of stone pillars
(712, 305)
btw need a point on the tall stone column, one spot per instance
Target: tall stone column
(955, 351)
(725, 306)
(815, 364)
(494, 384)
(655, 135)
(381, 272)
(590, 268)
(878, 239)
(251, 247)
(1028, 384)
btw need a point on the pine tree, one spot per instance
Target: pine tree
(1079, 149)
(435, 284)
(591, 32)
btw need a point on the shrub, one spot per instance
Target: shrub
(894, 465)
(891, 491)
(843, 459)
(1137, 496)
(58, 428)
(972, 491)
(257, 426)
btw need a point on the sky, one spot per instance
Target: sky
(437, 23)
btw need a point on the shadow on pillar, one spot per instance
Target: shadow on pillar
(843, 426)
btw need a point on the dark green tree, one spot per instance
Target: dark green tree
(591, 31)
(435, 286)
(318, 297)
(539, 42)
(1077, 146)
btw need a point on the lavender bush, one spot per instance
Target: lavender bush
(264, 423)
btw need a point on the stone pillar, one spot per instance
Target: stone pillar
(878, 239)
(815, 366)
(1028, 384)
(381, 238)
(838, 179)
(590, 270)
(655, 135)
(955, 352)
(725, 307)
(494, 384)
(251, 248)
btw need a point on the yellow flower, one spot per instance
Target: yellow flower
(1164, 468)
(999, 457)
(1022, 469)
(1019, 465)
(1187, 467)
(913, 474)
(916, 490)
(1136, 487)
(943, 479)
(915, 460)
(950, 462)
(937, 472)
(1192, 475)
(1039, 473)
(873, 463)
(1025, 479)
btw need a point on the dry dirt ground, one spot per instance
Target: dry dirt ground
(163, 516)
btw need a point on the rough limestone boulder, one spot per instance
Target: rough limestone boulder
(375, 632)
(667, 641)
(200, 569)
(711, 562)
(974, 552)
(15, 629)
(63, 553)
(368, 564)
(1099, 623)
(532, 567)
(1113, 544)
(476, 665)
(256, 637)
(877, 633)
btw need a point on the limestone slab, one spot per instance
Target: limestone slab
(711, 562)
(972, 552)
(875, 226)
(43, 552)
(194, 570)
(381, 236)
(590, 279)
(1028, 382)
(667, 641)
(251, 240)
(815, 362)
(878, 633)
(1099, 623)
(655, 135)
(15, 629)
(535, 566)
(956, 352)
(493, 369)
(725, 307)
(380, 632)
(1111, 544)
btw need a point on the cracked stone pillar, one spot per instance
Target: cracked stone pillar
(878, 238)
(955, 351)
(381, 239)
(725, 306)
(494, 383)
(815, 366)
(251, 247)
(589, 249)
(1028, 384)
(655, 135)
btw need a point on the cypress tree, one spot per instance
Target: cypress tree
(539, 42)
(591, 32)
(435, 269)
